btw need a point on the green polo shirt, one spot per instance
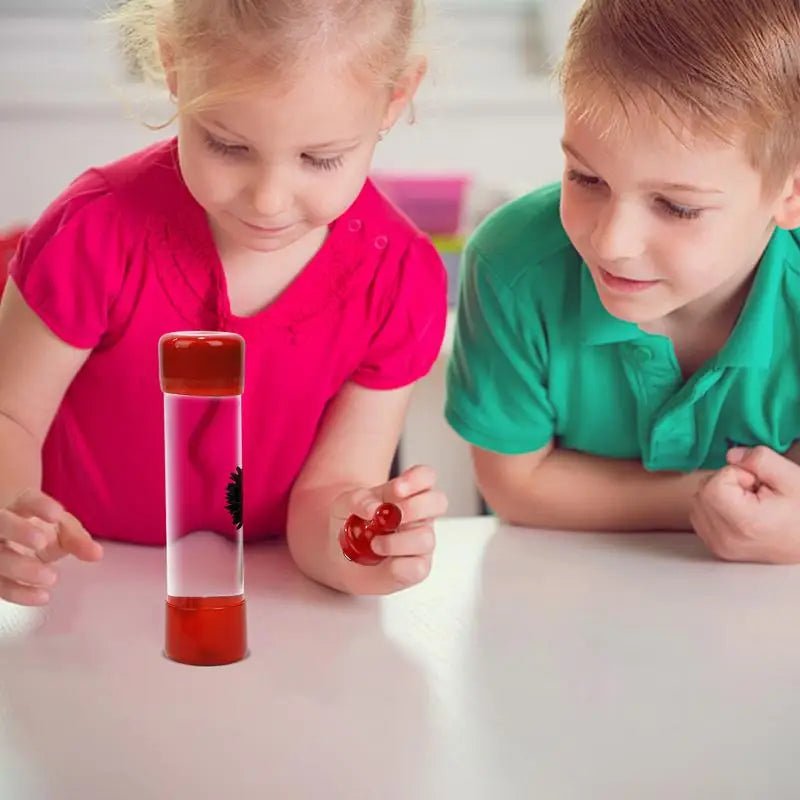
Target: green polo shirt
(536, 356)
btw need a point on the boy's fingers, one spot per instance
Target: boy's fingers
(744, 480)
(731, 494)
(771, 468)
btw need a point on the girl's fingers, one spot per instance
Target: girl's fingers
(74, 539)
(413, 492)
(409, 570)
(33, 503)
(419, 508)
(14, 528)
(412, 481)
(419, 541)
(26, 569)
(362, 502)
(425, 506)
(23, 595)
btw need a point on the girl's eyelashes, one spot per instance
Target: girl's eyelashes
(219, 147)
(222, 148)
(325, 164)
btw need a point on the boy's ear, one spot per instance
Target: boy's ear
(404, 90)
(787, 212)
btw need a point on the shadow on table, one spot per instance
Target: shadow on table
(325, 705)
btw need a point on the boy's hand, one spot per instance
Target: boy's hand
(408, 551)
(750, 510)
(36, 530)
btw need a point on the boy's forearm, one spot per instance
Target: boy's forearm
(20, 461)
(575, 491)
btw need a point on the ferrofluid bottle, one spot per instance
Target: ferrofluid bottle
(202, 377)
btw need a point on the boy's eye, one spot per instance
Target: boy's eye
(667, 206)
(679, 211)
(325, 164)
(216, 146)
(581, 179)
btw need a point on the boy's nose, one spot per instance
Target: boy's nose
(617, 234)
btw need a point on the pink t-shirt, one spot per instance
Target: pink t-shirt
(126, 254)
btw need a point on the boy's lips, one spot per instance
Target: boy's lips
(620, 284)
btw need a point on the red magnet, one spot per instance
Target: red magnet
(357, 533)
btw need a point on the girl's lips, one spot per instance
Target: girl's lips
(267, 231)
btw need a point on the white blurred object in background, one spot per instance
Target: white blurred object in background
(18, 621)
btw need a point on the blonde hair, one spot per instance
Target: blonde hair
(731, 70)
(253, 40)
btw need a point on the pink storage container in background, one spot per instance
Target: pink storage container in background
(434, 202)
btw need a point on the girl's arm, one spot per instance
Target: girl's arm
(36, 367)
(346, 473)
(563, 489)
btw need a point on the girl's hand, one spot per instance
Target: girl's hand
(34, 531)
(408, 552)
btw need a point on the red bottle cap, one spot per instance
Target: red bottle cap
(204, 363)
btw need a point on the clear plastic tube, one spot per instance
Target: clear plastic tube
(202, 377)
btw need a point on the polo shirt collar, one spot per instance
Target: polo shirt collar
(752, 339)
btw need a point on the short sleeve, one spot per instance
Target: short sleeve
(70, 263)
(409, 329)
(497, 396)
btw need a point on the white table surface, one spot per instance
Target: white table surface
(529, 665)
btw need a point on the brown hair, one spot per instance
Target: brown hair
(256, 39)
(731, 70)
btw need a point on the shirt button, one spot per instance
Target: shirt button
(381, 242)
(643, 355)
(354, 226)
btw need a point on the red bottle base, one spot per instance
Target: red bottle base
(206, 631)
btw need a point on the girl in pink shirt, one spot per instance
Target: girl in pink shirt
(258, 219)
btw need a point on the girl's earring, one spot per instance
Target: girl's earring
(382, 134)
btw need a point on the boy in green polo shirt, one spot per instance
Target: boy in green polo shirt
(620, 332)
